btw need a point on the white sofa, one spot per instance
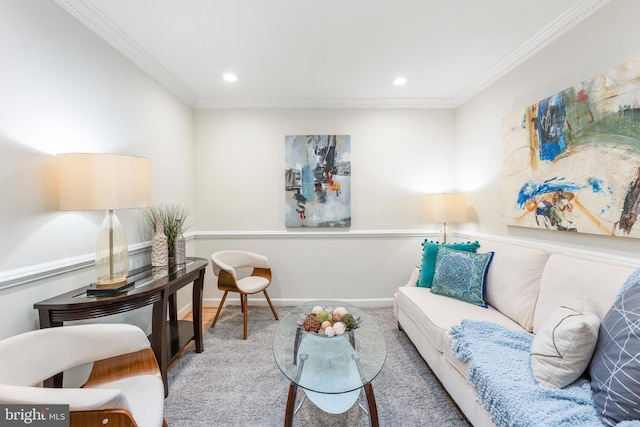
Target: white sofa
(524, 286)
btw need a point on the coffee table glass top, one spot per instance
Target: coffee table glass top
(329, 364)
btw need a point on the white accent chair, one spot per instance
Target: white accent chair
(124, 387)
(225, 265)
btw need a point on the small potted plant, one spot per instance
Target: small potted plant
(174, 217)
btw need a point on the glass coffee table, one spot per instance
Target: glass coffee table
(332, 371)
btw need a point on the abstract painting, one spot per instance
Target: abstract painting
(318, 181)
(572, 160)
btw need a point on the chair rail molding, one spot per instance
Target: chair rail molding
(31, 274)
(286, 234)
(34, 273)
(38, 272)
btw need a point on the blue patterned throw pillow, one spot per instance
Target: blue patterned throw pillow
(429, 254)
(615, 366)
(461, 275)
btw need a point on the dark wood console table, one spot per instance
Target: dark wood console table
(155, 287)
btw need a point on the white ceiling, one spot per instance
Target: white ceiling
(328, 53)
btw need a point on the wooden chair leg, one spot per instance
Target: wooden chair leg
(215, 319)
(271, 305)
(245, 308)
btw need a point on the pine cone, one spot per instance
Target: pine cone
(311, 324)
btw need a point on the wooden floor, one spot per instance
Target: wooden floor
(208, 313)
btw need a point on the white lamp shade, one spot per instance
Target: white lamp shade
(89, 181)
(445, 207)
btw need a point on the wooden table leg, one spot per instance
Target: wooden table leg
(159, 339)
(196, 303)
(173, 308)
(291, 403)
(371, 401)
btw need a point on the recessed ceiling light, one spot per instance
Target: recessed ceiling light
(230, 77)
(400, 81)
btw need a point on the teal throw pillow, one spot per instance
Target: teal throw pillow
(429, 253)
(461, 275)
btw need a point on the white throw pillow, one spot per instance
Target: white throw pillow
(562, 348)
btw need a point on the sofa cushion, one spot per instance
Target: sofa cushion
(566, 277)
(452, 359)
(513, 280)
(562, 348)
(429, 254)
(461, 275)
(615, 368)
(436, 314)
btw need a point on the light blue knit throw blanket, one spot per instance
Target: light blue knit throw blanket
(501, 373)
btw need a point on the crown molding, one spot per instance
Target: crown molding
(539, 41)
(100, 24)
(327, 103)
(89, 15)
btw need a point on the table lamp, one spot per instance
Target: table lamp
(88, 181)
(445, 208)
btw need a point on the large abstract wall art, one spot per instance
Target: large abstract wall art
(318, 181)
(572, 161)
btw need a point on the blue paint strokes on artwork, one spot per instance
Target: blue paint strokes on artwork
(551, 121)
(531, 190)
(597, 186)
(307, 186)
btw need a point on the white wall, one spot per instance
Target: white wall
(603, 40)
(397, 155)
(65, 90)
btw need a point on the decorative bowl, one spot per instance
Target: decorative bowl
(328, 321)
